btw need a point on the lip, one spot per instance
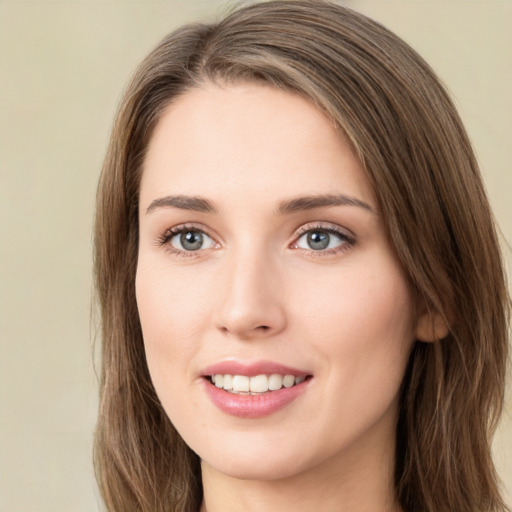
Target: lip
(252, 369)
(252, 406)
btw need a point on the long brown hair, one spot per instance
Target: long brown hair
(410, 140)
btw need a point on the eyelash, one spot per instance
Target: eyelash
(178, 230)
(347, 239)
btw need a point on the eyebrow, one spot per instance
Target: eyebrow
(196, 204)
(199, 204)
(322, 201)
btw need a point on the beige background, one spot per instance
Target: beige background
(63, 65)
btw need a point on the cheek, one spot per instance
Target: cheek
(171, 306)
(361, 332)
(362, 326)
(171, 316)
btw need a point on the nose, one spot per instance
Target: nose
(251, 303)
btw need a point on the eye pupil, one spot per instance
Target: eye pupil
(318, 240)
(191, 240)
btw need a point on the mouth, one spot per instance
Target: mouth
(255, 385)
(253, 390)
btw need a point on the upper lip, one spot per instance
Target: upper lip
(252, 369)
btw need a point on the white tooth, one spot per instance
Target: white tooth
(259, 384)
(219, 380)
(240, 383)
(288, 381)
(275, 382)
(298, 380)
(228, 382)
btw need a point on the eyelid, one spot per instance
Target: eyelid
(325, 226)
(347, 237)
(170, 233)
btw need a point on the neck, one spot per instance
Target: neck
(360, 481)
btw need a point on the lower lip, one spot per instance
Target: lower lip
(253, 406)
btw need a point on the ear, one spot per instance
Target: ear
(431, 326)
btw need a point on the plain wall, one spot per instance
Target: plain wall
(63, 66)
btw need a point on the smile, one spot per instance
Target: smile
(256, 385)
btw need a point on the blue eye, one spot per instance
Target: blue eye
(191, 240)
(321, 240)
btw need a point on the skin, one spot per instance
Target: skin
(256, 290)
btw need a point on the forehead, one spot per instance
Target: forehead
(214, 141)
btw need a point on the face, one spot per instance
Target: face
(277, 321)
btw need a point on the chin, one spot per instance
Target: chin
(261, 470)
(257, 461)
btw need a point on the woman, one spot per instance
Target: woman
(302, 295)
